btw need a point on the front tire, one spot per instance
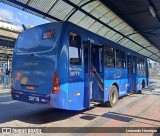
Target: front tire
(113, 95)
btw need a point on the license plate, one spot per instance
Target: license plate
(33, 98)
(30, 87)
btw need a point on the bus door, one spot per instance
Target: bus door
(134, 75)
(87, 76)
(147, 71)
(94, 73)
(131, 63)
(97, 67)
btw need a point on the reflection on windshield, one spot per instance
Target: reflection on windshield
(31, 40)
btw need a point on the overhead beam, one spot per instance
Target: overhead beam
(80, 7)
(52, 6)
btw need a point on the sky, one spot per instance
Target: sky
(19, 17)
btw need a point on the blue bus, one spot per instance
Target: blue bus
(65, 66)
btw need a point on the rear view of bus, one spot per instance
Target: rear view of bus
(34, 75)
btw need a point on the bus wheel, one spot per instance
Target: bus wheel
(113, 97)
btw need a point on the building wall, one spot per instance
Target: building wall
(7, 25)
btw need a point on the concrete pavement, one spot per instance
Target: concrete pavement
(4, 92)
(136, 110)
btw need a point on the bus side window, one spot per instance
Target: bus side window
(74, 49)
(129, 64)
(142, 64)
(120, 59)
(134, 64)
(109, 57)
(138, 63)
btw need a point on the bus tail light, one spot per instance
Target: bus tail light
(56, 84)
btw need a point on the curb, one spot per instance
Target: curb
(5, 93)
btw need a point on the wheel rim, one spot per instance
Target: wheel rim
(113, 97)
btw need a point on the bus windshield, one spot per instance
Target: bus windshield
(37, 39)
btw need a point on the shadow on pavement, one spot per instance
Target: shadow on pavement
(34, 114)
(125, 117)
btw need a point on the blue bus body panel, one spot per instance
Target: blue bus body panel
(76, 87)
(75, 96)
(36, 74)
(59, 100)
(122, 78)
(115, 76)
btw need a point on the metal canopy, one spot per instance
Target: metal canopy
(92, 15)
(138, 15)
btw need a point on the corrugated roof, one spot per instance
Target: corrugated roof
(138, 15)
(92, 15)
